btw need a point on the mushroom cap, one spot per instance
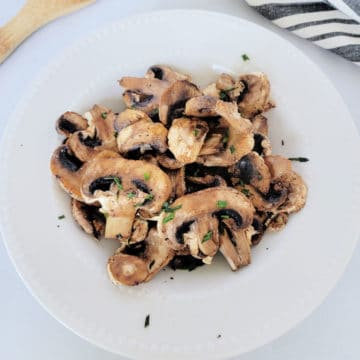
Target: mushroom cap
(213, 202)
(68, 170)
(173, 100)
(129, 117)
(70, 122)
(186, 137)
(256, 98)
(142, 136)
(90, 219)
(165, 73)
(201, 106)
(240, 140)
(251, 169)
(131, 267)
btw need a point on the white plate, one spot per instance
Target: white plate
(291, 272)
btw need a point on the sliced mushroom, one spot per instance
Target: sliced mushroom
(70, 122)
(240, 139)
(260, 125)
(260, 128)
(97, 137)
(196, 183)
(213, 144)
(256, 98)
(167, 160)
(90, 219)
(201, 106)
(123, 187)
(173, 100)
(192, 224)
(140, 263)
(140, 230)
(129, 117)
(251, 169)
(67, 169)
(165, 73)
(141, 137)
(177, 178)
(278, 222)
(185, 138)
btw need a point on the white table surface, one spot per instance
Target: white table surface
(28, 332)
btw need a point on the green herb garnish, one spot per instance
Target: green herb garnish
(146, 176)
(149, 197)
(207, 236)
(300, 159)
(221, 204)
(60, 217)
(118, 183)
(246, 192)
(147, 321)
(223, 95)
(225, 216)
(104, 115)
(225, 138)
(168, 218)
(241, 182)
(196, 132)
(169, 209)
(154, 112)
(131, 195)
(232, 149)
(245, 57)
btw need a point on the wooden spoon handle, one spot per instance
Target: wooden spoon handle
(33, 15)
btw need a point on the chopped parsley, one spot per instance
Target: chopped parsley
(131, 195)
(116, 134)
(169, 209)
(118, 183)
(207, 236)
(104, 115)
(232, 149)
(149, 197)
(300, 159)
(168, 217)
(246, 192)
(196, 132)
(146, 176)
(245, 57)
(147, 321)
(225, 216)
(225, 138)
(221, 204)
(60, 217)
(223, 95)
(241, 182)
(154, 112)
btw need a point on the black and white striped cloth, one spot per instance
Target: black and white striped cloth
(333, 24)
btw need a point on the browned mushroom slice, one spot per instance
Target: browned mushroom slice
(201, 106)
(177, 178)
(167, 160)
(229, 89)
(235, 246)
(260, 128)
(211, 90)
(256, 97)
(213, 144)
(278, 165)
(70, 122)
(97, 137)
(143, 93)
(129, 117)
(186, 137)
(260, 125)
(278, 222)
(240, 140)
(173, 100)
(165, 73)
(122, 187)
(67, 169)
(190, 225)
(90, 219)
(142, 136)
(140, 262)
(140, 230)
(251, 169)
(196, 183)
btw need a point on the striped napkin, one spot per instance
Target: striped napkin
(333, 24)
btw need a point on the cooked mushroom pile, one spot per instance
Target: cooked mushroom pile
(182, 174)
